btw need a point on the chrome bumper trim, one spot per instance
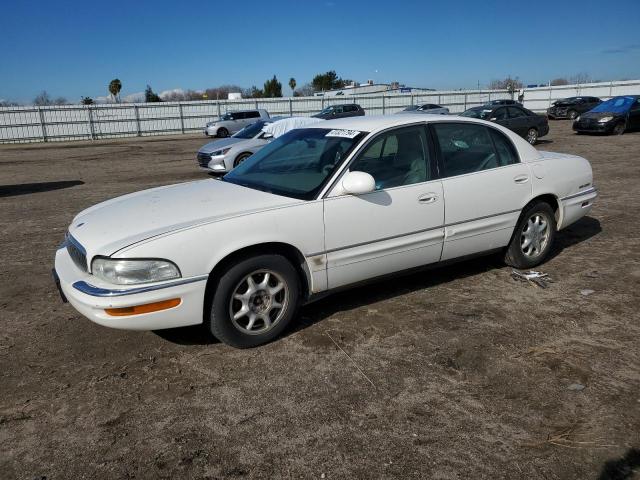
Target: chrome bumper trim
(580, 194)
(94, 291)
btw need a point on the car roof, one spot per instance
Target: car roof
(342, 104)
(373, 123)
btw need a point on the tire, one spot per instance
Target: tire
(619, 128)
(527, 254)
(234, 293)
(532, 136)
(222, 132)
(241, 158)
(572, 114)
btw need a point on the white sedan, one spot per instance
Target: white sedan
(321, 207)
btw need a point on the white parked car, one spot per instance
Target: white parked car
(319, 208)
(224, 155)
(232, 122)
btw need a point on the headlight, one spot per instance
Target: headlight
(605, 119)
(217, 153)
(578, 118)
(129, 272)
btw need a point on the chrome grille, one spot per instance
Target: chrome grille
(77, 253)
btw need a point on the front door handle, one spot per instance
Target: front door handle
(428, 197)
(521, 178)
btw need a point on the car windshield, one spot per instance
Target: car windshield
(615, 105)
(250, 131)
(326, 110)
(477, 112)
(410, 108)
(298, 163)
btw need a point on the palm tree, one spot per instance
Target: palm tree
(115, 86)
(292, 84)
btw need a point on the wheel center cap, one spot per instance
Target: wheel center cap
(260, 301)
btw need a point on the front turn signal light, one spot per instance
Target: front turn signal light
(146, 308)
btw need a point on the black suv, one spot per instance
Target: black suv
(572, 107)
(340, 111)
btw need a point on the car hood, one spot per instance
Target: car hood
(218, 144)
(112, 225)
(598, 115)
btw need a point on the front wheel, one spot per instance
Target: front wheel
(254, 301)
(572, 114)
(222, 133)
(532, 136)
(619, 128)
(533, 236)
(241, 158)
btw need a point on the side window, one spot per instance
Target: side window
(237, 116)
(500, 114)
(399, 157)
(350, 108)
(507, 154)
(516, 112)
(465, 148)
(253, 114)
(338, 109)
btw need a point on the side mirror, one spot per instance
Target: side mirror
(267, 136)
(493, 119)
(358, 183)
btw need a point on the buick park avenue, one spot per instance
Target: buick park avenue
(319, 208)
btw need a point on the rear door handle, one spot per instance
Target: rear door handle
(521, 178)
(428, 197)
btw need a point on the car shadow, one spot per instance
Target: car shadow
(623, 468)
(383, 289)
(28, 188)
(543, 142)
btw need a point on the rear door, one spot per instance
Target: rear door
(500, 116)
(519, 121)
(485, 187)
(634, 115)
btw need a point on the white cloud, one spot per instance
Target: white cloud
(166, 93)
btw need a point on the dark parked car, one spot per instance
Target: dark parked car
(616, 116)
(572, 107)
(524, 122)
(504, 101)
(340, 111)
(431, 108)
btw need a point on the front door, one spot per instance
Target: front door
(399, 225)
(485, 187)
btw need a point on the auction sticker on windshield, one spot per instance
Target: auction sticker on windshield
(343, 133)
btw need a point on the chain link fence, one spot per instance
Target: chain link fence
(94, 122)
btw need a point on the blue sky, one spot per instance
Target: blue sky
(74, 48)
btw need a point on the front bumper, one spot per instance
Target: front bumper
(594, 126)
(91, 297)
(214, 164)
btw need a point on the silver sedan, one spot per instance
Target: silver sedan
(431, 108)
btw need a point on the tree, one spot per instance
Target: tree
(327, 81)
(150, 96)
(86, 101)
(581, 77)
(222, 92)
(115, 86)
(253, 92)
(509, 84)
(60, 101)
(305, 91)
(292, 85)
(7, 103)
(42, 99)
(559, 81)
(272, 88)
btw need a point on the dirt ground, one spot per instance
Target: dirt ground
(454, 373)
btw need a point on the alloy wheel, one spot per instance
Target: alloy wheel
(535, 235)
(258, 302)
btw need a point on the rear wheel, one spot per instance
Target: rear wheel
(532, 136)
(254, 301)
(241, 158)
(533, 236)
(619, 128)
(572, 114)
(222, 132)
